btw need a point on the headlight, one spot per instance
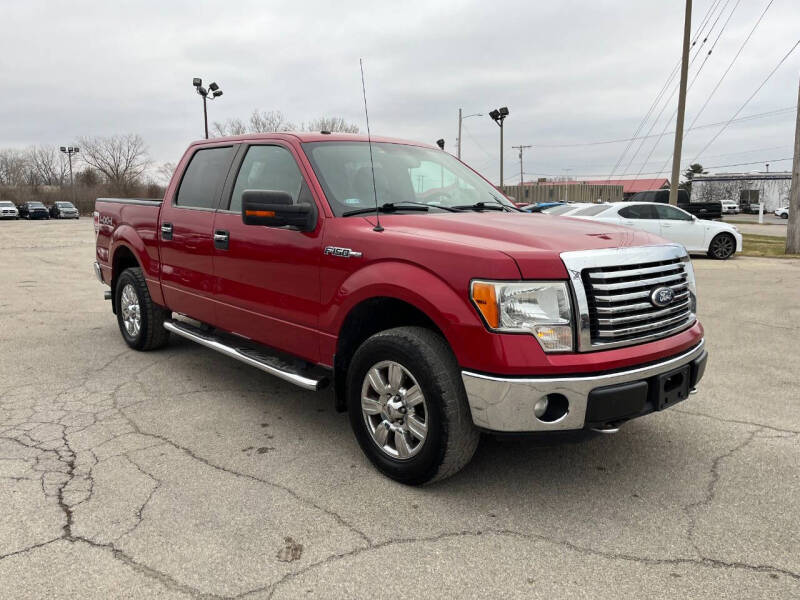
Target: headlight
(541, 308)
(690, 281)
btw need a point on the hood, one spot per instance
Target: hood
(534, 241)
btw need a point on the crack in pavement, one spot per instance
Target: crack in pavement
(702, 562)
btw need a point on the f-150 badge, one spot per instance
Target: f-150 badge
(343, 252)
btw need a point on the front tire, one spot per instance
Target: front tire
(784, 215)
(140, 320)
(722, 246)
(408, 407)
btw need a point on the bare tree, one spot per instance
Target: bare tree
(229, 127)
(273, 120)
(48, 165)
(120, 159)
(259, 122)
(332, 124)
(14, 167)
(164, 172)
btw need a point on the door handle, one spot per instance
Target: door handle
(221, 239)
(166, 231)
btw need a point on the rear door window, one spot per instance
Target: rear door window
(639, 211)
(204, 177)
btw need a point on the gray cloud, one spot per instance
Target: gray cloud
(570, 72)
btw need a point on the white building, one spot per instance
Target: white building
(744, 188)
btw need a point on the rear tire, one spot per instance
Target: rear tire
(414, 436)
(722, 246)
(140, 320)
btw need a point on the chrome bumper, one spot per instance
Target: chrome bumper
(98, 273)
(506, 404)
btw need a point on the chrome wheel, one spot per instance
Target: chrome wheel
(131, 313)
(394, 410)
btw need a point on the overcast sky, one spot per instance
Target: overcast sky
(570, 72)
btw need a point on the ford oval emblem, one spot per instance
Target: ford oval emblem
(662, 296)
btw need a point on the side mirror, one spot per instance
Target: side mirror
(276, 209)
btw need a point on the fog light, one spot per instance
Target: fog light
(540, 407)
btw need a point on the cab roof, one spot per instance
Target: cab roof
(309, 136)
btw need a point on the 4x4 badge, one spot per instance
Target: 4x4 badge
(343, 252)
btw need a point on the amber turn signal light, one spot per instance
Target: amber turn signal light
(485, 298)
(260, 213)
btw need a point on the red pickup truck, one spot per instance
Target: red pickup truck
(396, 274)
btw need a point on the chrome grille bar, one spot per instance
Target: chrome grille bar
(613, 289)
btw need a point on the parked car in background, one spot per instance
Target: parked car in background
(33, 210)
(718, 240)
(563, 208)
(701, 210)
(8, 210)
(729, 207)
(534, 208)
(782, 212)
(64, 210)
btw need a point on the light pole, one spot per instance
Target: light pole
(461, 118)
(69, 151)
(499, 115)
(215, 93)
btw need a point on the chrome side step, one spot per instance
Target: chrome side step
(256, 356)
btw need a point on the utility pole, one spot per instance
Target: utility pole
(521, 176)
(793, 229)
(676, 157)
(458, 154)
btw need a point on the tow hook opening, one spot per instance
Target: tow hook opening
(551, 408)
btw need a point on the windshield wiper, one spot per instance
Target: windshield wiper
(388, 207)
(481, 206)
(392, 207)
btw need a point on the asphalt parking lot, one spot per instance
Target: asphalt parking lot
(182, 473)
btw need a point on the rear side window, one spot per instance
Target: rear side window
(204, 177)
(269, 168)
(639, 211)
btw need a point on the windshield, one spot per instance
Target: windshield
(6, 203)
(559, 210)
(65, 205)
(590, 211)
(403, 174)
(35, 204)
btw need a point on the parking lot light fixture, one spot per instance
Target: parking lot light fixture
(69, 151)
(213, 87)
(499, 115)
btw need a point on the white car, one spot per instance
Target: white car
(729, 207)
(8, 210)
(782, 212)
(718, 240)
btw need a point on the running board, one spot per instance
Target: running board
(261, 357)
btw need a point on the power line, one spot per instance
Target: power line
(755, 162)
(694, 79)
(664, 87)
(770, 113)
(730, 65)
(746, 102)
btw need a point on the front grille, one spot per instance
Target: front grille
(618, 297)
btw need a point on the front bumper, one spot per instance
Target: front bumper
(506, 404)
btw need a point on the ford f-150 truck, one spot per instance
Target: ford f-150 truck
(399, 276)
